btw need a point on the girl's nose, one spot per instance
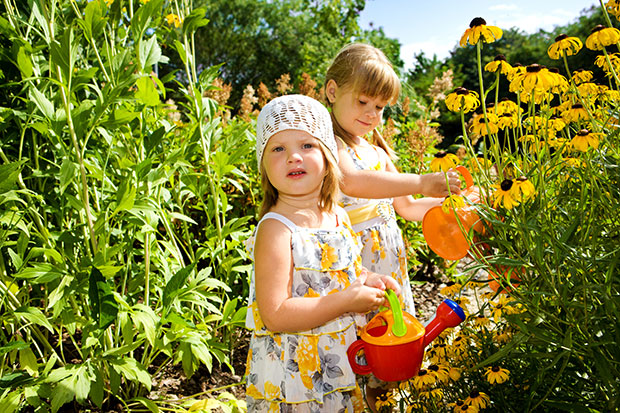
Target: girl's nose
(294, 157)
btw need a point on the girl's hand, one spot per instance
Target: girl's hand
(363, 297)
(434, 184)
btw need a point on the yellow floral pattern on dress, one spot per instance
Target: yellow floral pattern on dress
(328, 256)
(309, 368)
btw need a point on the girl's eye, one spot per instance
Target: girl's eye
(380, 107)
(278, 149)
(308, 146)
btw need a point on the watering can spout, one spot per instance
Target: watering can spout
(449, 314)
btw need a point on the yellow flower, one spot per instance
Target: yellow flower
(556, 123)
(460, 406)
(480, 127)
(440, 371)
(108, 2)
(601, 61)
(173, 20)
(497, 375)
(564, 46)
(517, 69)
(613, 7)
(478, 399)
(584, 140)
(478, 28)
(462, 99)
(501, 307)
(575, 113)
(505, 195)
(385, 400)
(454, 373)
(444, 161)
(535, 78)
(508, 106)
(329, 256)
(580, 76)
(481, 321)
(423, 379)
(602, 36)
(508, 120)
(524, 188)
(499, 63)
(451, 288)
(452, 202)
(484, 163)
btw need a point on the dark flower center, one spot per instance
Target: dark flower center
(477, 21)
(433, 367)
(506, 184)
(597, 28)
(583, 132)
(534, 68)
(500, 57)
(577, 106)
(461, 91)
(441, 154)
(474, 394)
(422, 372)
(450, 283)
(494, 369)
(481, 120)
(554, 70)
(561, 37)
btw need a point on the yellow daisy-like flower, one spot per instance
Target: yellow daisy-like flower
(480, 127)
(560, 83)
(505, 194)
(564, 46)
(329, 256)
(535, 78)
(433, 394)
(385, 400)
(601, 61)
(451, 288)
(478, 399)
(508, 120)
(499, 64)
(508, 106)
(173, 20)
(454, 373)
(460, 406)
(602, 36)
(476, 164)
(423, 379)
(481, 321)
(575, 113)
(441, 371)
(613, 7)
(580, 76)
(584, 140)
(524, 188)
(556, 123)
(478, 29)
(501, 307)
(574, 162)
(497, 375)
(452, 202)
(444, 161)
(517, 69)
(462, 99)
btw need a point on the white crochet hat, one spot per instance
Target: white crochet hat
(296, 112)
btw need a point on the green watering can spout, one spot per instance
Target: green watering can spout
(398, 328)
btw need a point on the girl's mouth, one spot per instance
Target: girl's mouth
(296, 173)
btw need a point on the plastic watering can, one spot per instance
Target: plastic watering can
(442, 231)
(394, 340)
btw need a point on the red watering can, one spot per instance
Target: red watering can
(394, 341)
(442, 231)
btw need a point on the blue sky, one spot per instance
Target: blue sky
(436, 26)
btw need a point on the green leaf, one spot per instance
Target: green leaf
(195, 20)
(104, 307)
(42, 103)
(24, 63)
(28, 360)
(40, 273)
(13, 345)
(96, 387)
(132, 370)
(150, 53)
(125, 197)
(10, 402)
(35, 316)
(15, 379)
(147, 93)
(80, 381)
(174, 284)
(9, 173)
(149, 404)
(62, 394)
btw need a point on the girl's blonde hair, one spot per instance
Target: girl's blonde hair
(366, 70)
(330, 191)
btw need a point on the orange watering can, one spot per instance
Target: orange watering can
(394, 341)
(442, 231)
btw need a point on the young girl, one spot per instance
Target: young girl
(359, 83)
(308, 286)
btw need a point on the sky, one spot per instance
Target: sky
(436, 26)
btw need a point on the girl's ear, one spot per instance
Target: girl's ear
(330, 90)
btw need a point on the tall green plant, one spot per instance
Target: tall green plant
(120, 243)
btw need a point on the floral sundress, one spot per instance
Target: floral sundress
(309, 370)
(383, 248)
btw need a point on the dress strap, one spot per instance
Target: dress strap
(274, 215)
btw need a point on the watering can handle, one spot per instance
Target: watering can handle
(398, 327)
(469, 181)
(352, 354)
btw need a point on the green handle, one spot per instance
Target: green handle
(398, 328)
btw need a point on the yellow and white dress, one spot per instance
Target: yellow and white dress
(307, 371)
(374, 221)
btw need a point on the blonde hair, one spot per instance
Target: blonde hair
(330, 190)
(366, 70)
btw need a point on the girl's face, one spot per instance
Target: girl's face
(358, 114)
(294, 163)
